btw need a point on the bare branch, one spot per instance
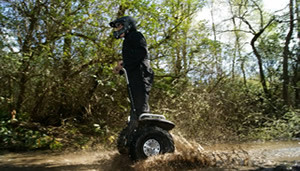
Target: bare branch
(248, 24)
(260, 13)
(234, 30)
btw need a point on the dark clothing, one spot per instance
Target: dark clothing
(140, 74)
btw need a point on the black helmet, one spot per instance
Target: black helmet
(127, 22)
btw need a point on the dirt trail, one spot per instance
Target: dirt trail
(188, 156)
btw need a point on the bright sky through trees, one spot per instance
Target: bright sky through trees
(221, 13)
(274, 5)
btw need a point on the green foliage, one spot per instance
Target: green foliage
(24, 135)
(22, 138)
(56, 145)
(285, 127)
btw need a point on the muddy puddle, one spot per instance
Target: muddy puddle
(188, 156)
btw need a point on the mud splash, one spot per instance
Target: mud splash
(188, 156)
(283, 156)
(191, 156)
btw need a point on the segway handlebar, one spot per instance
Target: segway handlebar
(126, 76)
(129, 91)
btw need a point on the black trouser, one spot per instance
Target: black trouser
(140, 83)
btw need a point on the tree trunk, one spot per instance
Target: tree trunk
(243, 71)
(27, 56)
(258, 56)
(66, 69)
(296, 78)
(237, 50)
(215, 53)
(261, 70)
(286, 52)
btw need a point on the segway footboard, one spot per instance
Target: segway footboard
(149, 119)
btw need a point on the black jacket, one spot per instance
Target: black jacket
(135, 59)
(134, 50)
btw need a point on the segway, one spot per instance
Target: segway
(150, 137)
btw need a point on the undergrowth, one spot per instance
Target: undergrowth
(227, 113)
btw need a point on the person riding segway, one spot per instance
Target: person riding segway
(136, 62)
(146, 133)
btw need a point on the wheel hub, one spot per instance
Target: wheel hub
(151, 147)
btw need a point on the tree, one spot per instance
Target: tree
(236, 9)
(286, 54)
(296, 68)
(256, 34)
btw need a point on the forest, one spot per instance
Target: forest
(233, 76)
